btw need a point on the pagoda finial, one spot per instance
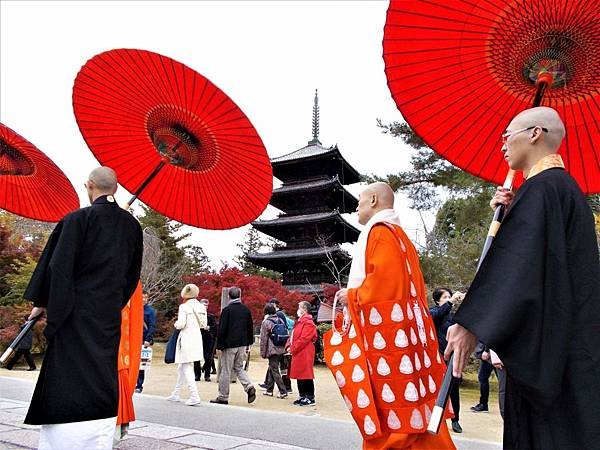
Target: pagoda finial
(315, 120)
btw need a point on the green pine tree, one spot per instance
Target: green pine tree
(253, 243)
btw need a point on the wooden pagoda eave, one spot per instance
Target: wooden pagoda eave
(282, 226)
(350, 174)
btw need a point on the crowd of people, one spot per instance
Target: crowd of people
(288, 346)
(532, 310)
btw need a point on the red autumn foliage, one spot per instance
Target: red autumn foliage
(329, 291)
(256, 291)
(11, 319)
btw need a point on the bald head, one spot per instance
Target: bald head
(102, 181)
(544, 117)
(532, 135)
(374, 198)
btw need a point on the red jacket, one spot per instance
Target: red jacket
(302, 348)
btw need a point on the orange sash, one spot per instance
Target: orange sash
(388, 367)
(132, 324)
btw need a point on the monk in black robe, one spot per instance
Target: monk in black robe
(536, 298)
(86, 274)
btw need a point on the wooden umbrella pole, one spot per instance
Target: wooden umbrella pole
(437, 415)
(497, 220)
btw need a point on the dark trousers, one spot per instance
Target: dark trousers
(140, 380)
(17, 356)
(204, 369)
(306, 388)
(274, 376)
(485, 370)
(455, 398)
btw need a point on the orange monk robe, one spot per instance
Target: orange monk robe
(392, 289)
(130, 348)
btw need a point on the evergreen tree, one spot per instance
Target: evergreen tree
(169, 233)
(167, 260)
(254, 244)
(198, 262)
(452, 249)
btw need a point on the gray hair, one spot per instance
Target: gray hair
(305, 305)
(235, 292)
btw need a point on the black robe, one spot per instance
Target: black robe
(536, 302)
(86, 274)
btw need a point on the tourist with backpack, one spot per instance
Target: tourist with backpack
(273, 338)
(286, 357)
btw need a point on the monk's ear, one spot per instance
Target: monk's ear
(536, 134)
(374, 200)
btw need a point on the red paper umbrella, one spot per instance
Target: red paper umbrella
(173, 137)
(31, 185)
(460, 71)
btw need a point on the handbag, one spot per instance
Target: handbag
(385, 359)
(171, 347)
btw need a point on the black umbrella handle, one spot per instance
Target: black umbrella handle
(144, 184)
(433, 427)
(15, 343)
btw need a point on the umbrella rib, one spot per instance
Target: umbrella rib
(420, 51)
(471, 114)
(593, 99)
(425, 71)
(581, 156)
(428, 82)
(424, 28)
(438, 17)
(496, 128)
(441, 88)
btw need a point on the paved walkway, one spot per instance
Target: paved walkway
(142, 435)
(166, 425)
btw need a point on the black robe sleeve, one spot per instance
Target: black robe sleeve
(51, 284)
(521, 301)
(37, 289)
(132, 277)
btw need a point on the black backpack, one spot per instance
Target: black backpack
(279, 333)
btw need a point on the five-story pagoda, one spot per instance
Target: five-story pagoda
(312, 199)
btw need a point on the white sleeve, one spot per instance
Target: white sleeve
(181, 318)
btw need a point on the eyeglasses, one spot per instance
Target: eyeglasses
(508, 134)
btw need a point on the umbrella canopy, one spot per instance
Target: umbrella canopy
(31, 185)
(460, 71)
(136, 108)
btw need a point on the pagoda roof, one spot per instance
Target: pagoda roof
(302, 186)
(299, 253)
(286, 167)
(343, 199)
(276, 227)
(303, 219)
(312, 149)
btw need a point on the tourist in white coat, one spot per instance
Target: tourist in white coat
(191, 318)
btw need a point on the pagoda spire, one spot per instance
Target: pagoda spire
(315, 121)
